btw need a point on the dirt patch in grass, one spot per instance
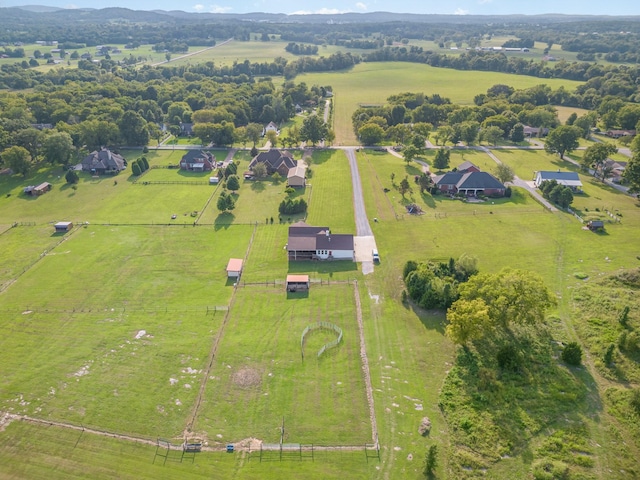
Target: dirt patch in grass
(247, 377)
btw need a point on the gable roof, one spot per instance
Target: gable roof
(449, 178)
(306, 237)
(234, 265)
(273, 159)
(197, 156)
(477, 180)
(297, 171)
(104, 159)
(467, 165)
(569, 179)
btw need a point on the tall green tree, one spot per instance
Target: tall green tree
(313, 129)
(504, 173)
(632, 173)
(513, 296)
(441, 160)
(404, 187)
(30, 139)
(596, 155)
(58, 148)
(17, 159)
(370, 133)
(468, 320)
(133, 129)
(562, 139)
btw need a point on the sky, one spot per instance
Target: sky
(451, 7)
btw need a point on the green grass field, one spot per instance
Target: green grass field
(260, 376)
(373, 83)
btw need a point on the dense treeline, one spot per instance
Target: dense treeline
(56, 122)
(501, 113)
(301, 49)
(19, 77)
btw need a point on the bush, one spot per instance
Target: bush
(144, 164)
(233, 183)
(608, 354)
(572, 354)
(135, 168)
(289, 206)
(635, 400)
(71, 177)
(145, 149)
(508, 358)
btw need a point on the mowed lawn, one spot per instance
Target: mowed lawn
(122, 198)
(259, 376)
(372, 83)
(94, 331)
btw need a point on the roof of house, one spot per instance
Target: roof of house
(234, 265)
(479, 180)
(449, 178)
(273, 159)
(271, 126)
(564, 178)
(297, 171)
(297, 278)
(62, 224)
(302, 229)
(197, 156)
(104, 159)
(468, 180)
(466, 165)
(307, 238)
(339, 241)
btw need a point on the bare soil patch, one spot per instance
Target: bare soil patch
(247, 377)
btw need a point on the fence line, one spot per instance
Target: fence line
(281, 282)
(318, 326)
(205, 309)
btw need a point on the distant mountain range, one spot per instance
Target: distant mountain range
(124, 14)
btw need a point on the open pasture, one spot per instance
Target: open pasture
(128, 267)
(259, 375)
(373, 83)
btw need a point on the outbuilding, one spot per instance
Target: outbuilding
(63, 226)
(595, 225)
(297, 283)
(234, 268)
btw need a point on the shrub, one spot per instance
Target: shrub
(608, 354)
(635, 400)
(624, 316)
(145, 149)
(144, 164)
(71, 177)
(135, 168)
(289, 190)
(508, 358)
(572, 354)
(233, 183)
(289, 206)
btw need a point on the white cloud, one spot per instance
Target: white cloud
(219, 9)
(211, 9)
(322, 11)
(460, 11)
(361, 6)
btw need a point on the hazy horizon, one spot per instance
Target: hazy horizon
(462, 7)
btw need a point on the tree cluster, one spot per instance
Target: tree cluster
(558, 194)
(290, 206)
(436, 284)
(139, 166)
(490, 302)
(301, 49)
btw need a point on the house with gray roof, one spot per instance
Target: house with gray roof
(103, 161)
(307, 242)
(566, 179)
(276, 161)
(470, 183)
(197, 161)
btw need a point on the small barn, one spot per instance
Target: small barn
(63, 226)
(297, 283)
(234, 268)
(295, 177)
(595, 225)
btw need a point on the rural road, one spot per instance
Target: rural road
(192, 53)
(364, 240)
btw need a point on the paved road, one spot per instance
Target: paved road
(364, 241)
(521, 183)
(362, 222)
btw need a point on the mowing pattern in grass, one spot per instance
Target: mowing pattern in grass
(331, 201)
(259, 376)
